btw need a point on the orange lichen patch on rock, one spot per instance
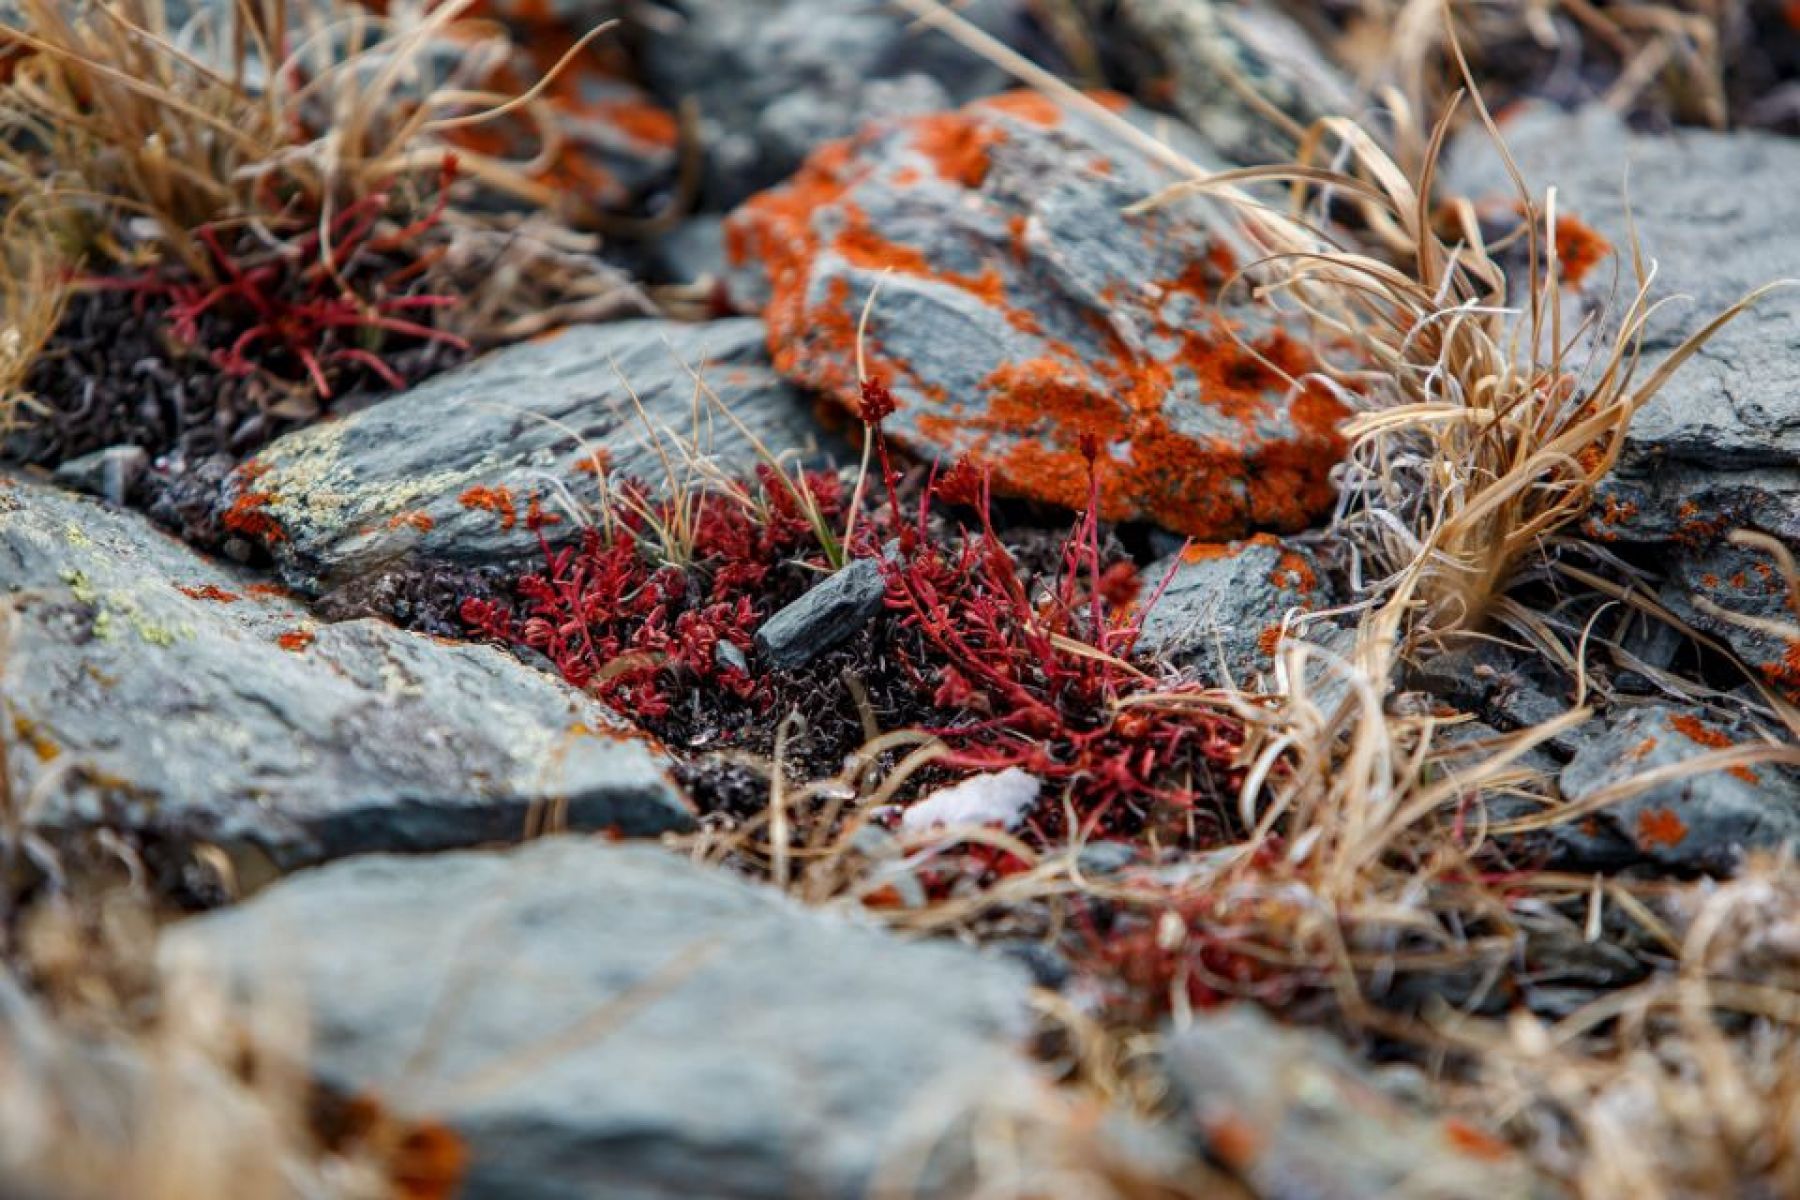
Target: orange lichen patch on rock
(956, 146)
(1294, 573)
(267, 591)
(248, 516)
(1474, 1142)
(207, 591)
(1579, 248)
(414, 519)
(28, 732)
(1269, 640)
(1698, 732)
(1640, 751)
(1784, 672)
(641, 120)
(1660, 828)
(1037, 108)
(1234, 1140)
(498, 500)
(296, 640)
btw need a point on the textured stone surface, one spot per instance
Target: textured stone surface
(1200, 56)
(1703, 822)
(447, 471)
(1718, 448)
(1292, 1114)
(1222, 610)
(775, 78)
(616, 1021)
(829, 613)
(1021, 310)
(178, 701)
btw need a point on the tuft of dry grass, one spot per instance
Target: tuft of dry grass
(34, 281)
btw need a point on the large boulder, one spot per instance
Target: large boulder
(1718, 448)
(1023, 319)
(155, 693)
(451, 471)
(604, 1020)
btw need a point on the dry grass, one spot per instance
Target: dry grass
(33, 290)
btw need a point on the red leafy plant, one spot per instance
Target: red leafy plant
(332, 296)
(1040, 676)
(621, 619)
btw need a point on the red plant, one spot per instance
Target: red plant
(1039, 680)
(631, 631)
(293, 304)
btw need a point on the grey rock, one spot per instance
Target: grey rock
(1020, 316)
(1711, 210)
(1702, 822)
(1223, 606)
(1718, 448)
(392, 483)
(775, 78)
(613, 1020)
(1199, 56)
(109, 474)
(1297, 1118)
(829, 614)
(156, 693)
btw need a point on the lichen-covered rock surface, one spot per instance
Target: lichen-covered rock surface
(1718, 448)
(1020, 313)
(598, 1020)
(179, 702)
(453, 470)
(1220, 608)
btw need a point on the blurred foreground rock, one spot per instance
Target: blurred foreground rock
(605, 1020)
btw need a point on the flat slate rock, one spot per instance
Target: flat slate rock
(604, 1020)
(1706, 821)
(448, 472)
(1292, 1114)
(156, 693)
(1023, 319)
(1221, 606)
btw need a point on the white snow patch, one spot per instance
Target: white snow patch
(997, 798)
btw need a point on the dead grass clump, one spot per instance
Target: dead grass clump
(285, 190)
(33, 291)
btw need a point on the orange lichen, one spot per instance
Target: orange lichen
(1698, 732)
(597, 464)
(1026, 105)
(1660, 828)
(27, 731)
(207, 591)
(415, 519)
(1579, 248)
(1476, 1143)
(1234, 1140)
(498, 500)
(641, 120)
(957, 147)
(1294, 573)
(296, 639)
(1269, 640)
(267, 591)
(247, 516)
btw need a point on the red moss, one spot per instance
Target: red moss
(1659, 828)
(497, 500)
(208, 591)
